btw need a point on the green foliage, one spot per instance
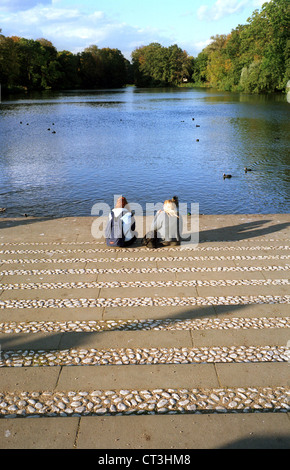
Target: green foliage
(254, 57)
(9, 65)
(36, 65)
(155, 65)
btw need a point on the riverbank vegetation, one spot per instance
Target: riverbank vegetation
(27, 64)
(254, 58)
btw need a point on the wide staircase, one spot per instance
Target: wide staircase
(145, 349)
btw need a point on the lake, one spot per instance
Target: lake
(75, 149)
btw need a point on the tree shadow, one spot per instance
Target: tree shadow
(18, 222)
(239, 232)
(74, 339)
(242, 231)
(280, 441)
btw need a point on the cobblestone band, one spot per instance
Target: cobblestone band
(156, 401)
(144, 259)
(139, 356)
(145, 301)
(136, 284)
(129, 325)
(151, 270)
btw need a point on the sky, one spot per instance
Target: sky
(74, 25)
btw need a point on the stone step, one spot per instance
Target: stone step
(168, 432)
(190, 341)
(211, 227)
(144, 273)
(167, 292)
(104, 255)
(174, 311)
(147, 376)
(101, 250)
(150, 338)
(82, 391)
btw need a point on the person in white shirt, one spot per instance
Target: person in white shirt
(128, 223)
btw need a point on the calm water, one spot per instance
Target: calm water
(142, 144)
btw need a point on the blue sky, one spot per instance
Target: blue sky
(124, 24)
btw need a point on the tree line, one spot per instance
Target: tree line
(254, 57)
(27, 64)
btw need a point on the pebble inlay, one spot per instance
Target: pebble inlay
(156, 401)
(155, 284)
(143, 259)
(151, 270)
(145, 301)
(159, 400)
(138, 356)
(128, 325)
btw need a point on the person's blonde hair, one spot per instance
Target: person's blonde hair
(170, 206)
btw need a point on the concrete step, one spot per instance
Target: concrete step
(154, 389)
(216, 375)
(140, 433)
(181, 348)
(148, 312)
(136, 339)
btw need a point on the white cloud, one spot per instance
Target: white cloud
(202, 44)
(74, 30)
(202, 12)
(20, 5)
(220, 9)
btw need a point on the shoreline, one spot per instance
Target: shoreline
(211, 227)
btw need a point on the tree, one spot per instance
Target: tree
(200, 67)
(155, 65)
(69, 70)
(9, 64)
(254, 57)
(102, 68)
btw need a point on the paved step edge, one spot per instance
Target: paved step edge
(185, 432)
(139, 377)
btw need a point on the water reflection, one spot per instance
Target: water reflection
(146, 145)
